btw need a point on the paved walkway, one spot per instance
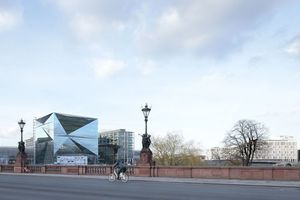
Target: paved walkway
(270, 183)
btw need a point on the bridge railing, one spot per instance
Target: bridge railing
(97, 170)
(130, 170)
(7, 168)
(35, 169)
(53, 169)
(255, 173)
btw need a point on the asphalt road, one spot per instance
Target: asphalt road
(29, 187)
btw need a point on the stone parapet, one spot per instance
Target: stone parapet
(147, 170)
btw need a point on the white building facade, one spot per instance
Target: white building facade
(282, 149)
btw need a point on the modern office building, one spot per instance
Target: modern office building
(282, 149)
(276, 151)
(65, 137)
(108, 149)
(125, 140)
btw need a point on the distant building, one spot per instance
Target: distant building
(29, 149)
(8, 155)
(125, 140)
(214, 153)
(215, 156)
(108, 149)
(29, 143)
(65, 135)
(282, 149)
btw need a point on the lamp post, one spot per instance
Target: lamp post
(146, 110)
(20, 164)
(146, 153)
(21, 146)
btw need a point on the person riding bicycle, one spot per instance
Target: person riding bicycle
(119, 167)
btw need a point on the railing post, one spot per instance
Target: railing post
(43, 169)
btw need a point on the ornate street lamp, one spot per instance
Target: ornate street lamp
(146, 110)
(146, 137)
(20, 164)
(21, 146)
(146, 153)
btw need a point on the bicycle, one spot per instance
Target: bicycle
(123, 177)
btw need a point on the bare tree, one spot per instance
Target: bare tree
(245, 138)
(216, 153)
(172, 150)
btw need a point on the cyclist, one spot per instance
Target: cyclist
(119, 167)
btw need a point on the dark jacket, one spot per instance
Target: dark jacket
(118, 164)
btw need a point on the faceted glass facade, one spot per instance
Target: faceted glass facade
(65, 135)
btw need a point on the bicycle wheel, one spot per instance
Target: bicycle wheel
(111, 177)
(124, 177)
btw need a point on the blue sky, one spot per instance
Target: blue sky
(201, 64)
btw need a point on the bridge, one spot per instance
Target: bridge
(244, 173)
(74, 187)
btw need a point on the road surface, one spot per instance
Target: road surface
(28, 187)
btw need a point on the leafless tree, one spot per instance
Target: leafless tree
(173, 150)
(217, 153)
(245, 138)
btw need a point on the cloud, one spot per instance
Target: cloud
(147, 67)
(256, 59)
(293, 47)
(89, 18)
(165, 28)
(8, 132)
(297, 75)
(10, 14)
(287, 113)
(105, 68)
(207, 27)
(85, 25)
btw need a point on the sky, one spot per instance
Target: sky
(201, 65)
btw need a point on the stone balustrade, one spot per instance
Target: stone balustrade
(254, 173)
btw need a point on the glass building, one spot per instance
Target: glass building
(65, 135)
(108, 150)
(125, 140)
